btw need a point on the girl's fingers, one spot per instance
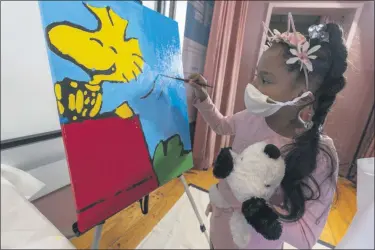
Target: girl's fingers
(192, 83)
(198, 78)
(195, 85)
(203, 79)
(194, 77)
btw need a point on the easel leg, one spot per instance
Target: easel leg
(192, 202)
(97, 235)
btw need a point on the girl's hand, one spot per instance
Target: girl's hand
(199, 91)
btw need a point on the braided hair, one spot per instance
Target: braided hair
(300, 156)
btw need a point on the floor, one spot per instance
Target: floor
(130, 226)
(170, 232)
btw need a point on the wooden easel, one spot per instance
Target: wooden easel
(99, 227)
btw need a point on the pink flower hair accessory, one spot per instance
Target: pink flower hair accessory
(303, 54)
(293, 39)
(300, 47)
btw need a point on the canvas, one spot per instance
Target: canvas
(124, 121)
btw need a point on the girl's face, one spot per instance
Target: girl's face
(274, 80)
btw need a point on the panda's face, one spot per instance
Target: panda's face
(256, 172)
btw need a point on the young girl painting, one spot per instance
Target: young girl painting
(297, 81)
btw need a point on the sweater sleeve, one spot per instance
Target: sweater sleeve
(304, 233)
(221, 125)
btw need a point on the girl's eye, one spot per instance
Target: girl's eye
(265, 80)
(262, 79)
(267, 186)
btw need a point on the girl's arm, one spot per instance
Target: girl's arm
(221, 125)
(304, 233)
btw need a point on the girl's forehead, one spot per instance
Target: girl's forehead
(273, 58)
(273, 62)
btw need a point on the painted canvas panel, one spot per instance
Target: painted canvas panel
(124, 121)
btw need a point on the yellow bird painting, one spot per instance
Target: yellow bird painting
(105, 54)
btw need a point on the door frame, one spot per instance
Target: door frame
(357, 6)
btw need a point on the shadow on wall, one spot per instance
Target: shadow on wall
(59, 209)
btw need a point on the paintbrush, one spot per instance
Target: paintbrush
(171, 77)
(187, 81)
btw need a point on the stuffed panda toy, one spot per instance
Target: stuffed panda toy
(250, 178)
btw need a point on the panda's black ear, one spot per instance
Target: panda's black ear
(272, 151)
(223, 165)
(262, 218)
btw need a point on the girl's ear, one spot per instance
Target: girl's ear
(308, 99)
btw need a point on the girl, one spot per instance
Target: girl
(306, 192)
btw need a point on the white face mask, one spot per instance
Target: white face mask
(256, 102)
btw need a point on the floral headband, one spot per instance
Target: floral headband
(300, 47)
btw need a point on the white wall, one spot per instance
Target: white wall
(149, 4)
(59, 208)
(34, 155)
(180, 18)
(27, 101)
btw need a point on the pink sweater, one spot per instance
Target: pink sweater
(248, 129)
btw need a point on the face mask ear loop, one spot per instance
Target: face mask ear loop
(297, 99)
